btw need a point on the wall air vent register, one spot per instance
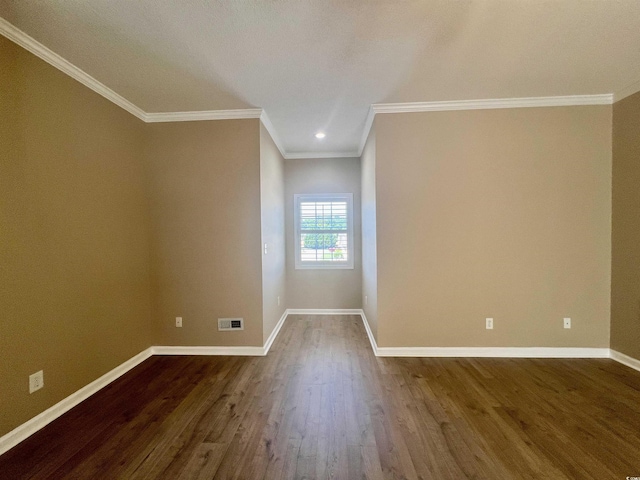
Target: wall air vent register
(227, 324)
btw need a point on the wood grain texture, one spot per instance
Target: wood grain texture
(321, 405)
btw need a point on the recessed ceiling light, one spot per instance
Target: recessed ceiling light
(320, 135)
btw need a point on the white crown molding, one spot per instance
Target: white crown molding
(625, 359)
(627, 91)
(30, 44)
(264, 118)
(367, 129)
(486, 104)
(304, 155)
(235, 114)
(30, 427)
(39, 50)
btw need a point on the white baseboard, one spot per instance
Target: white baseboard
(495, 352)
(477, 352)
(324, 311)
(30, 427)
(275, 332)
(206, 350)
(230, 351)
(625, 359)
(22, 432)
(367, 327)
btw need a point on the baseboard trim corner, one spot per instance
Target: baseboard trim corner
(275, 332)
(24, 431)
(625, 359)
(372, 339)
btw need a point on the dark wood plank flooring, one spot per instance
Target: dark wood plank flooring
(321, 405)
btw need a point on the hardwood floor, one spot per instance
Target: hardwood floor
(321, 405)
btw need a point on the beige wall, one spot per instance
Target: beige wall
(369, 233)
(625, 268)
(74, 236)
(273, 232)
(323, 288)
(494, 213)
(207, 260)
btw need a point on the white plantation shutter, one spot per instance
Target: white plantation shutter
(324, 230)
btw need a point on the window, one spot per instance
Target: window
(324, 230)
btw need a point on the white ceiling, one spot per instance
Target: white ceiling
(319, 64)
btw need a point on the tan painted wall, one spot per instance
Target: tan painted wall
(369, 233)
(625, 263)
(74, 236)
(207, 260)
(494, 213)
(273, 232)
(323, 288)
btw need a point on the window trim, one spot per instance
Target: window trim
(319, 197)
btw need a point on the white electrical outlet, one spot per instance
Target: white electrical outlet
(567, 322)
(366, 299)
(278, 300)
(36, 381)
(265, 248)
(179, 322)
(489, 323)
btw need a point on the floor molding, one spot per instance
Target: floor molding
(208, 350)
(479, 352)
(493, 352)
(275, 332)
(625, 359)
(30, 427)
(372, 339)
(324, 311)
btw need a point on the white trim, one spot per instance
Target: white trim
(324, 311)
(367, 327)
(627, 91)
(266, 121)
(274, 333)
(472, 352)
(239, 113)
(486, 104)
(625, 359)
(305, 155)
(39, 50)
(494, 352)
(30, 44)
(367, 129)
(209, 350)
(469, 352)
(493, 103)
(30, 427)
(24, 431)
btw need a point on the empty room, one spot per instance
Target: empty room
(316, 239)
